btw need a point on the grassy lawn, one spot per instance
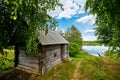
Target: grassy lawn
(62, 71)
(91, 68)
(100, 68)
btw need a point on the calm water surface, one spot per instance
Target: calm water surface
(94, 50)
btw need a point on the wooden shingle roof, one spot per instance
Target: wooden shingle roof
(52, 37)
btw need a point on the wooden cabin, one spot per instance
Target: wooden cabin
(53, 49)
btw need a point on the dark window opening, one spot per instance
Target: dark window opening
(55, 54)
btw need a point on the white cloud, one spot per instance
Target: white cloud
(87, 19)
(56, 12)
(90, 31)
(89, 38)
(82, 4)
(70, 7)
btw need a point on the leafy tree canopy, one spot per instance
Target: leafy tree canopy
(20, 21)
(73, 35)
(107, 20)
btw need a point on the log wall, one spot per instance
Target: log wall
(46, 59)
(53, 56)
(29, 61)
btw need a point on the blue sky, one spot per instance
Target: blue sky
(74, 14)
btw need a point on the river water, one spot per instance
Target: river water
(94, 50)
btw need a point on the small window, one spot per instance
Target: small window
(55, 54)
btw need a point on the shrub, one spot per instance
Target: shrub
(74, 49)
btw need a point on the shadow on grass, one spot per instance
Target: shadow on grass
(16, 74)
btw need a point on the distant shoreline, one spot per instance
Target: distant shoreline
(92, 43)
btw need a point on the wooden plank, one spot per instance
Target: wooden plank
(34, 66)
(51, 59)
(28, 61)
(28, 69)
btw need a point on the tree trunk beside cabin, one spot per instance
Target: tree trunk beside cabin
(16, 49)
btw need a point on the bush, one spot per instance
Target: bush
(74, 49)
(6, 60)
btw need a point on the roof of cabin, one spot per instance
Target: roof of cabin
(52, 37)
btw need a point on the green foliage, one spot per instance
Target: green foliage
(73, 35)
(74, 49)
(107, 21)
(21, 21)
(32, 44)
(6, 60)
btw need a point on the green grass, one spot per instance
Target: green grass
(92, 43)
(100, 68)
(62, 71)
(91, 68)
(65, 70)
(6, 60)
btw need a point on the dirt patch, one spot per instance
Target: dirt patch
(76, 73)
